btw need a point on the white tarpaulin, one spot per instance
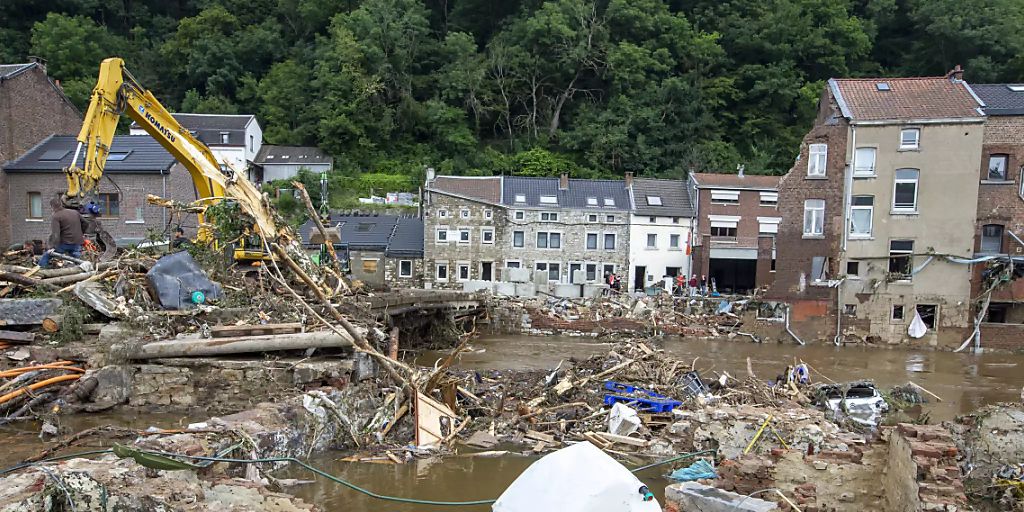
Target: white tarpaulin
(917, 326)
(579, 478)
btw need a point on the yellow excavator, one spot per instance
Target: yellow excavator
(117, 92)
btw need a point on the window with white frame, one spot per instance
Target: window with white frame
(768, 225)
(673, 241)
(442, 213)
(513, 264)
(904, 197)
(519, 215)
(769, 198)
(608, 268)
(592, 241)
(549, 216)
(609, 201)
(405, 268)
(463, 269)
(609, 241)
(464, 213)
(724, 227)
(864, 162)
(723, 232)
(653, 200)
(548, 199)
(901, 258)
(591, 269)
(814, 217)
(520, 198)
(609, 218)
(591, 201)
(518, 238)
(725, 197)
(910, 138)
(592, 218)
(441, 234)
(862, 210)
(488, 214)
(992, 238)
(817, 158)
(487, 236)
(653, 220)
(549, 240)
(652, 241)
(441, 272)
(464, 236)
(997, 165)
(553, 270)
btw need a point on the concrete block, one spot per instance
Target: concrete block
(517, 275)
(526, 290)
(540, 278)
(570, 291)
(695, 496)
(501, 288)
(594, 290)
(579, 276)
(476, 286)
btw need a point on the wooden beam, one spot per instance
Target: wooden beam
(227, 331)
(202, 347)
(17, 337)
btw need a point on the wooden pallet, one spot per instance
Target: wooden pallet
(230, 331)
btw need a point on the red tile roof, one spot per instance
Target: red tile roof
(907, 98)
(759, 181)
(486, 189)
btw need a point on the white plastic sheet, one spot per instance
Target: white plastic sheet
(917, 327)
(623, 420)
(579, 478)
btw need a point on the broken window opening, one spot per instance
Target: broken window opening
(929, 314)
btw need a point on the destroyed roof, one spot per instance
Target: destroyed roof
(1001, 99)
(580, 194)
(482, 188)
(8, 71)
(271, 154)
(407, 240)
(128, 154)
(885, 99)
(209, 127)
(747, 181)
(666, 198)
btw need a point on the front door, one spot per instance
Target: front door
(486, 271)
(638, 279)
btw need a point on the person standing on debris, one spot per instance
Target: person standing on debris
(693, 285)
(66, 233)
(703, 285)
(680, 284)
(616, 282)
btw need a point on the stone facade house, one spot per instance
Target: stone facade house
(382, 251)
(660, 232)
(737, 218)
(236, 139)
(32, 107)
(1000, 216)
(137, 166)
(464, 223)
(885, 187)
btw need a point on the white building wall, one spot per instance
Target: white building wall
(658, 259)
(235, 155)
(273, 172)
(253, 140)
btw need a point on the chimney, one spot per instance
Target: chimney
(563, 181)
(430, 174)
(739, 170)
(38, 60)
(956, 74)
(629, 179)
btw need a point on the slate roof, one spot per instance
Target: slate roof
(487, 189)
(747, 181)
(1000, 100)
(675, 201)
(407, 240)
(574, 197)
(907, 98)
(12, 70)
(271, 154)
(53, 154)
(208, 127)
(394, 235)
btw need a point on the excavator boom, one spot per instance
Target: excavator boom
(117, 92)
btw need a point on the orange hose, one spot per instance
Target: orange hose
(20, 391)
(14, 372)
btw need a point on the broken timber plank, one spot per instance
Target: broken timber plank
(615, 438)
(539, 436)
(228, 331)
(200, 347)
(17, 337)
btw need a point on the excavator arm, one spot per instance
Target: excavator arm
(116, 93)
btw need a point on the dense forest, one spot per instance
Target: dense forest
(518, 86)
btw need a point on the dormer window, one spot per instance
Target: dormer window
(1015, 88)
(224, 137)
(591, 201)
(520, 198)
(548, 199)
(608, 201)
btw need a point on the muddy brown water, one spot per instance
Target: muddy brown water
(964, 381)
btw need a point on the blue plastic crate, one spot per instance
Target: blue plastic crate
(643, 404)
(619, 387)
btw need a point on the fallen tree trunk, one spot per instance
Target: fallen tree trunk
(199, 347)
(68, 278)
(51, 324)
(12, 277)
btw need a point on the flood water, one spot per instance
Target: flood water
(964, 381)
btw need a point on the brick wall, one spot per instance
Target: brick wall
(132, 188)
(765, 274)
(1008, 337)
(31, 109)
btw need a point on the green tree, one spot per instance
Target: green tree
(287, 109)
(73, 46)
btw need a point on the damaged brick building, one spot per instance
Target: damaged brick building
(880, 201)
